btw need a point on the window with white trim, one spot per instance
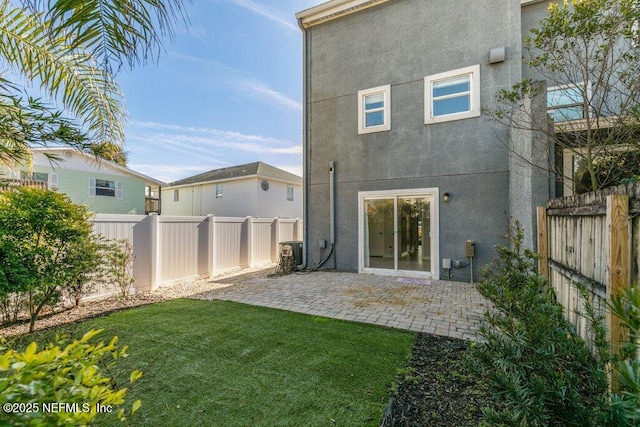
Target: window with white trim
(566, 102)
(176, 195)
(374, 109)
(290, 192)
(218, 191)
(104, 187)
(452, 95)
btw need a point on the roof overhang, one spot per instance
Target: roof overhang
(528, 2)
(331, 10)
(254, 176)
(99, 162)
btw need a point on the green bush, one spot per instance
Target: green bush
(540, 371)
(626, 364)
(62, 384)
(46, 244)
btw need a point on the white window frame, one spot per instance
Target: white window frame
(474, 94)
(386, 110)
(575, 104)
(219, 191)
(176, 195)
(118, 190)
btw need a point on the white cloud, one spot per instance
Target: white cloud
(247, 85)
(200, 149)
(262, 10)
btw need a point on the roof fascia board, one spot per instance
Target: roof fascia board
(333, 9)
(213, 181)
(528, 2)
(102, 161)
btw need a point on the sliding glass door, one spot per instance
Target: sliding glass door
(397, 233)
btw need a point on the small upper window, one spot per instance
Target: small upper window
(567, 102)
(452, 95)
(374, 106)
(218, 191)
(290, 192)
(176, 195)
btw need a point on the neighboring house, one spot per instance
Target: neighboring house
(102, 186)
(402, 168)
(255, 189)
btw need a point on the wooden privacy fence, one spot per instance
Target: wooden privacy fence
(593, 239)
(171, 249)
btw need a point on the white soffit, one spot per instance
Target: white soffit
(333, 9)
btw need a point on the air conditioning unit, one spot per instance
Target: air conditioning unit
(296, 249)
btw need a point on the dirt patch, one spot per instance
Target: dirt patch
(368, 296)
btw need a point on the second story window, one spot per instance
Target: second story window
(374, 109)
(452, 95)
(566, 102)
(218, 191)
(176, 195)
(290, 192)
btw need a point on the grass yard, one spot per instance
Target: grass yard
(219, 363)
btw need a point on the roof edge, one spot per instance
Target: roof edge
(331, 10)
(102, 161)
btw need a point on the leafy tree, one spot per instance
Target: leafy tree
(45, 240)
(591, 48)
(72, 50)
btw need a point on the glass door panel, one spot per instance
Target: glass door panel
(379, 233)
(414, 233)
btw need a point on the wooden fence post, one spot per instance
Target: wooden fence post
(543, 245)
(618, 261)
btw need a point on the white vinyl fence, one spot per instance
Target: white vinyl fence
(170, 249)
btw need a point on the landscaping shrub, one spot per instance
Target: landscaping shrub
(63, 384)
(626, 364)
(541, 372)
(119, 257)
(46, 244)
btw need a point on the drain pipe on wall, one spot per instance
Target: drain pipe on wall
(332, 219)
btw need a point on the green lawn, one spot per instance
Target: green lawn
(220, 363)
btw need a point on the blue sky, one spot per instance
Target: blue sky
(227, 91)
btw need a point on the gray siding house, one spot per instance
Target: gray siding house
(404, 174)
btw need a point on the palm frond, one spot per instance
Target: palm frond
(115, 32)
(29, 45)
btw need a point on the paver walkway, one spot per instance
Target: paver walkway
(451, 309)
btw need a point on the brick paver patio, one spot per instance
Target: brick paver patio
(438, 307)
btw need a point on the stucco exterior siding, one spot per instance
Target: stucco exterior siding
(399, 43)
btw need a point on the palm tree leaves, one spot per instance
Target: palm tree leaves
(115, 32)
(72, 50)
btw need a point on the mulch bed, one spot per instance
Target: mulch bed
(436, 389)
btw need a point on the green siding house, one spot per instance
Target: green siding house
(104, 187)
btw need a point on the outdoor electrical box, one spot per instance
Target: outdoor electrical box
(469, 249)
(446, 263)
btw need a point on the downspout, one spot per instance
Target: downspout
(332, 216)
(305, 150)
